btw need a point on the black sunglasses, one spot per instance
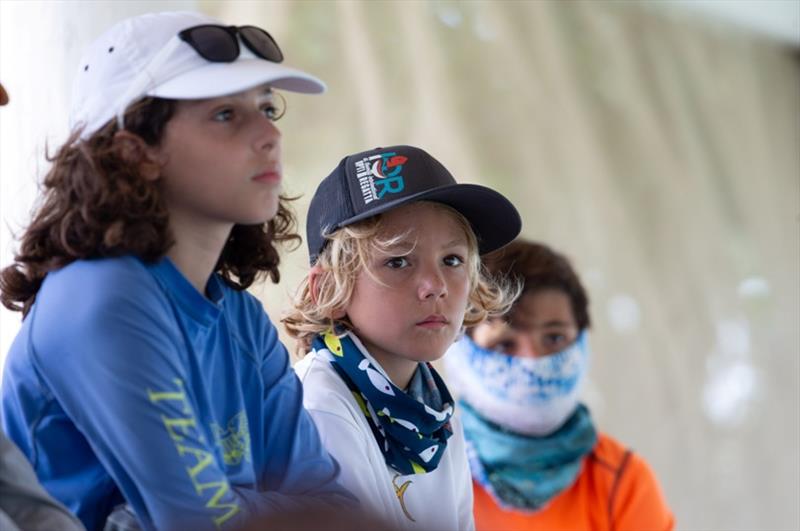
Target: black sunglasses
(219, 44)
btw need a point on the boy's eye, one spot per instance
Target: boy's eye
(506, 346)
(453, 260)
(272, 112)
(397, 262)
(225, 115)
(554, 340)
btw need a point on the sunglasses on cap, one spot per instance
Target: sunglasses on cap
(219, 44)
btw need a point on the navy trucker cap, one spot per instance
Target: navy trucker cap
(378, 180)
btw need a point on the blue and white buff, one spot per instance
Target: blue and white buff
(411, 428)
(529, 396)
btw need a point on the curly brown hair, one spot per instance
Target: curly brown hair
(95, 203)
(538, 267)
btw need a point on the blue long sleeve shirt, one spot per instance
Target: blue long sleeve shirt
(126, 384)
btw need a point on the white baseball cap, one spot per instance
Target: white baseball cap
(143, 56)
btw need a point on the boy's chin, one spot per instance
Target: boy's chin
(430, 354)
(436, 347)
(260, 215)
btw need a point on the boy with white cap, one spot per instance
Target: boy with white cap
(143, 372)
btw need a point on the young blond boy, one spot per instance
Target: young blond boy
(394, 245)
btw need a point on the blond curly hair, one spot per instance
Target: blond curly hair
(349, 250)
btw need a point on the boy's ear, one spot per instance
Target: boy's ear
(313, 282)
(314, 279)
(132, 148)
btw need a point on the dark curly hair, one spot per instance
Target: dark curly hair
(539, 267)
(95, 204)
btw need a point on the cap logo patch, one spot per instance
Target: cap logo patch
(379, 175)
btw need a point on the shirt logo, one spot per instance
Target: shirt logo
(379, 175)
(400, 492)
(235, 441)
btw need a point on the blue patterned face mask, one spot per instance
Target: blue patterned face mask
(529, 396)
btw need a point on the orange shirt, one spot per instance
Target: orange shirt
(616, 490)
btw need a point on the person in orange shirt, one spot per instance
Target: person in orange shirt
(537, 460)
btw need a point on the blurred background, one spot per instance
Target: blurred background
(655, 143)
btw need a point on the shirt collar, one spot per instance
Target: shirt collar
(205, 309)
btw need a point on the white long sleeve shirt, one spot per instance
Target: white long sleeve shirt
(437, 501)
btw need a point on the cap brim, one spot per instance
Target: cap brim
(219, 79)
(493, 218)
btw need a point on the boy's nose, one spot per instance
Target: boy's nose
(268, 135)
(432, 285)
(525, 347)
